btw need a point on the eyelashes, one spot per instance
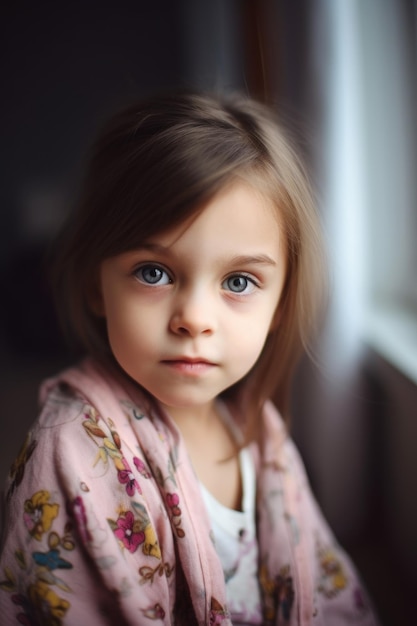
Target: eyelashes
(240, 284)
(152, 274)
(156, 275)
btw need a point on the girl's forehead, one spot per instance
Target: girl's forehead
(234, 205)
(237, 229)
(237, 220)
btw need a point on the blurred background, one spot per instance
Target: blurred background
(342, 74)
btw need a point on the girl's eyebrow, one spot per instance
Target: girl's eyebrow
(153, 247)
(244, 259)
(257, 259)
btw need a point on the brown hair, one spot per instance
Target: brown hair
(154, 165)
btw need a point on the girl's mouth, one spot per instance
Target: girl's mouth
(191, 367)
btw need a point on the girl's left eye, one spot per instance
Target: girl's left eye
(239, 283)
(152, 275)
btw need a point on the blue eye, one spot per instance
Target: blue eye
(239, 283)
(152, 275)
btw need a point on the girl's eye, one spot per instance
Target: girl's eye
(238, 283)
(152, 275)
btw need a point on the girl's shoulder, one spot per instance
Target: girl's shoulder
(63, 402)
(84, 417)
(60, 404)
(65, 417)
(279, 443)
(86, 391)
(82, 440)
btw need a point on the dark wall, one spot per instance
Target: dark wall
(64, 66)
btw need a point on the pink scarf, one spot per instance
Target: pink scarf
(126, 480)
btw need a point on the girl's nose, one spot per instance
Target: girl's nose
(193, 316)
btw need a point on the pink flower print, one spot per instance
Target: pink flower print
(173, 501)
(141, 467)
(126, 477)
(127, 532)
(79, 513)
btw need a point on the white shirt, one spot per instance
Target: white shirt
(236, 544)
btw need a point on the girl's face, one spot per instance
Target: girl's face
(189, 311)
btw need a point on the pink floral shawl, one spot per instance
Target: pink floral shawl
(106, 523)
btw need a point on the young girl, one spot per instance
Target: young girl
(159, 484)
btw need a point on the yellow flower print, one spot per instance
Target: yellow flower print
(39, 514)
(49, 606)
(278, 592)
(151, 545)
(333, 577)
(268, 587)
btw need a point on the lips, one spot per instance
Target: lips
(190, 366)
(188, 359)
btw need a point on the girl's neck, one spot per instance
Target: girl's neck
(213, 452)
(193, 418)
